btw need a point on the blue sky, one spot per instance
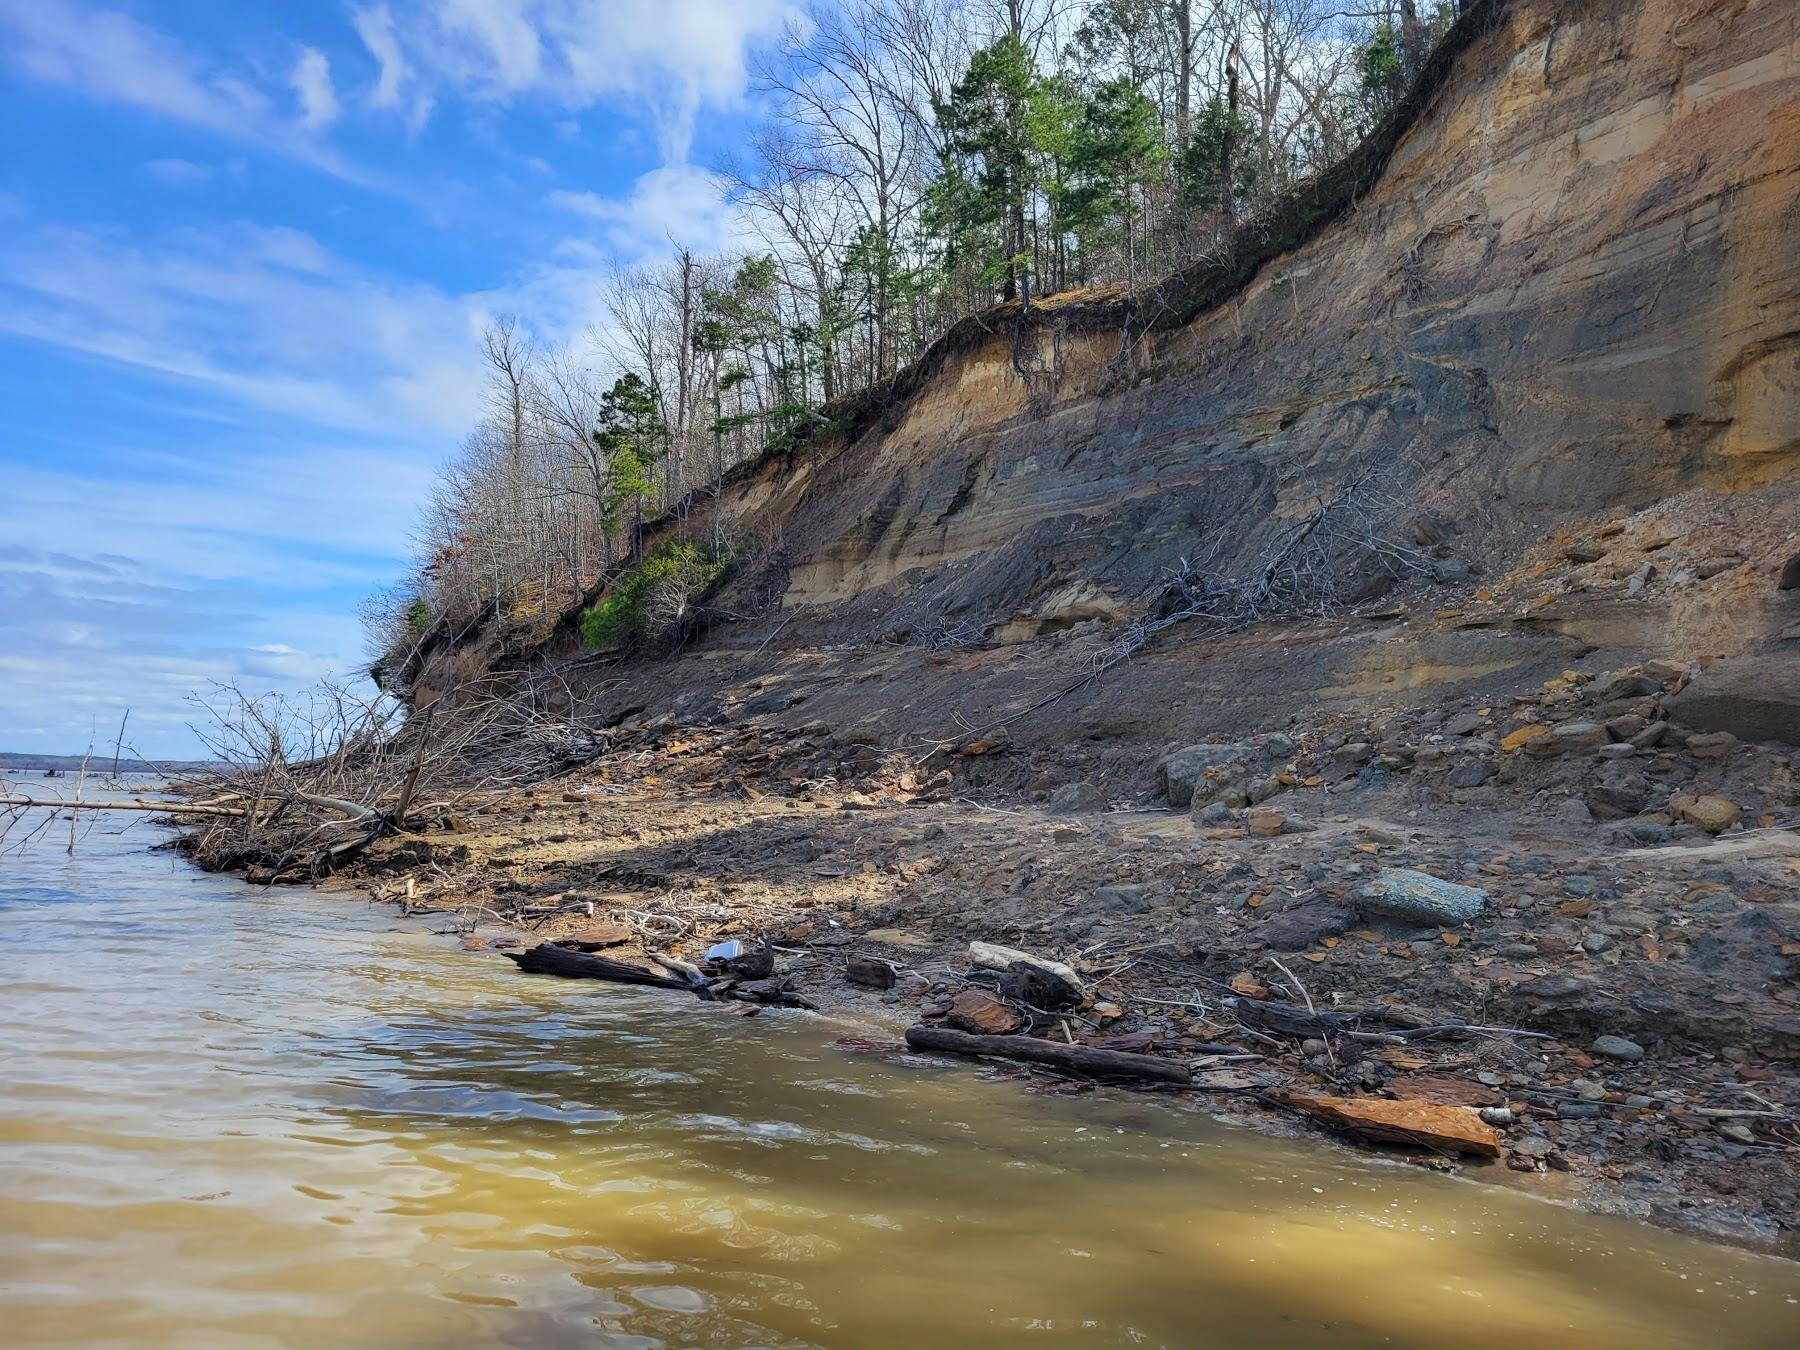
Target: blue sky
(245, 253)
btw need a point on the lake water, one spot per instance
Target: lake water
(239, 1118)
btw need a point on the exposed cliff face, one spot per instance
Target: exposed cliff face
(1574, 292)
(1576, 288)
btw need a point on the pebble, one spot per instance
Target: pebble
(1595, 943)
(1617, 1047)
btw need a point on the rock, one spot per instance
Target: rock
(1126, 899)
(1617, 751)
(992, 956)
(1625, 684)
(1464, 724)
(1264, 823)
(1261, 789)
(1419, 897)
(1470, 775)
(1736, 1131)
(1754, 698)
(1298, 825)
(1650, 736)
(1520, 737)
(1107, 1012)
(1651, 832)
(1792, 632)
(1453, 1129)
(1617, 1047)
(1214, 815)
(1533, 1146)
(1584, 551)
(1077, 798)
(1305, 925)
(870, 972)
(1029, 983)
(1710, 744)
(1356, 752)
(1179, 771)
(1713, 814)
(1575, 736)
(1554, 987)
(1575, 811)
(981, 1014)
(1595, 943)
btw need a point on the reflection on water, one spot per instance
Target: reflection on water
(239, 1119)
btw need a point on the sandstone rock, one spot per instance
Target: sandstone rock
(1454, 1129)
(981, 1014)
(1521, 737)
(1180, 770)
(1584, 551)
(1710, 744)
(1419, 897)
(1617, 1047)
(1712, 814)
(1650, 736)
(1264, 823)
(1755, 698)
(1576, 736)
(1076, 798)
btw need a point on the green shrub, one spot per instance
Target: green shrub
(418, 618)
(654, 601)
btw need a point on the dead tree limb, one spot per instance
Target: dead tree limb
(1084, 1059)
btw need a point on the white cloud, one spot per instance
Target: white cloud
(111, 57)
(178, 172)
(677, 204)
(312, 84)
(672, 57)
(264, 317)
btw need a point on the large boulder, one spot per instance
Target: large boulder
(1180, 771)
(1419, 897)
(1755, 698)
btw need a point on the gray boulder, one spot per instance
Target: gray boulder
(1180, 770)
(1419, 897)
(1075, 798)
(1755, 698)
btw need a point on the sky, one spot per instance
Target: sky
(246, 252)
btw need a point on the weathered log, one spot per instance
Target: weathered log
(1076, 1058)
(549, 959)
(690, 974)
(165, 808)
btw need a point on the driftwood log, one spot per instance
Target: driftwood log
(1084, 1059)
(549, 959)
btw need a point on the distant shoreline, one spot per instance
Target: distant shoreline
(98, 762)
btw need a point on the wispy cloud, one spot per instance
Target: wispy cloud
(670, 58)
(178, 172)
(313, 87)
(110, 57)
(263, 316)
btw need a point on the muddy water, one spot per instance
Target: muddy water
(235, 1119)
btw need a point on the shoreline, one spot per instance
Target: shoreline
(702, 835)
